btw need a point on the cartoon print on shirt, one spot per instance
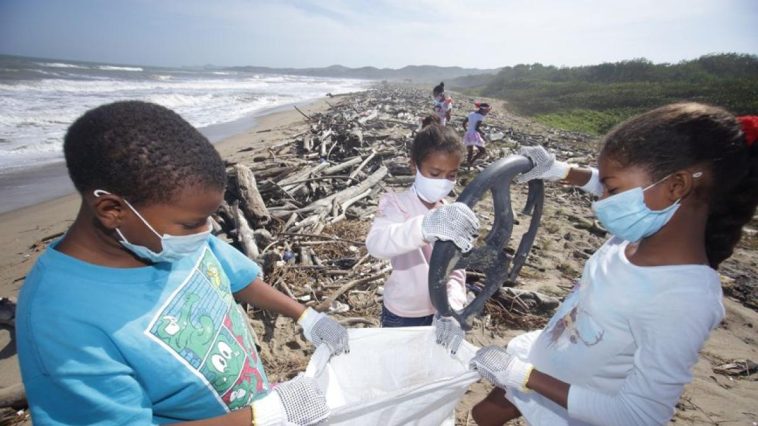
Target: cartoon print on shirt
(212, 270)
(202, 325)
(572, 324)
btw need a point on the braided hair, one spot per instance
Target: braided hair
(677, 136)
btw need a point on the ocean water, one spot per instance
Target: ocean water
(40, 98)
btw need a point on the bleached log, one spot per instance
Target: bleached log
(310, 220)
(363, 164)
(251, 203)
(326, 303)
(342, 166)
(245, 234)
(326, 203)
(342, 208)
(370, 116)
(286, 183)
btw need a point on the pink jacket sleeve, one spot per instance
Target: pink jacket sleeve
(391, 234)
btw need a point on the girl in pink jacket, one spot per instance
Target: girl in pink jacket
(408, 222)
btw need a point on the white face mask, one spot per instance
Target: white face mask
(174, 247)
(432, 190)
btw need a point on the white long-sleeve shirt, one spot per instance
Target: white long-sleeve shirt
(625, 339)
(396, 235)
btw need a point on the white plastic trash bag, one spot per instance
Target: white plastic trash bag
(393, 376)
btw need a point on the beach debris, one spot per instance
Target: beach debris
(738, 367)
(302, 207)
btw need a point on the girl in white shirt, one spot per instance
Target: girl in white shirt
(676, 184)
(474, 137)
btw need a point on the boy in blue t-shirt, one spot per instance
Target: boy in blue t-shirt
(132, 316)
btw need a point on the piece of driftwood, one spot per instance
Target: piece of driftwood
(287, 183)
(251, 201)
(342, 166)
(245, 234)
(307, 117)
(360, 167)
(326, 303)
(339, 210)
(346, 194)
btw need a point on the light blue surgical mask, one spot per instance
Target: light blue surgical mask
(174, 247)
(626, 215)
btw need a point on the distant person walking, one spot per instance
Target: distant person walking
(443, 104)
(474, 136)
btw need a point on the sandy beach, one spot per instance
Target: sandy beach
(561, 249)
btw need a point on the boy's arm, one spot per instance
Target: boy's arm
(262, 295)
(317, 327)
(241, 417)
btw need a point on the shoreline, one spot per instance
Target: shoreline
(38, 184)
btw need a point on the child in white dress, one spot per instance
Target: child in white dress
(474, 137)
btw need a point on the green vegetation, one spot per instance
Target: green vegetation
(585, 120)
(595, 98)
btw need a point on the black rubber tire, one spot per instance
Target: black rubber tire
(499, 267)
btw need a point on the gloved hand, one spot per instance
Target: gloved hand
(298, 401)
(501, 368)
(318, 328)
(451, 222)
(448, 332)
(545, 166)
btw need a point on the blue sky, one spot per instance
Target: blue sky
(383, 33)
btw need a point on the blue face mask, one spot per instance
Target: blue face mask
(626, 215)
(174, 247)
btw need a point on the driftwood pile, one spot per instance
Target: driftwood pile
(287, 209)
(302, 208)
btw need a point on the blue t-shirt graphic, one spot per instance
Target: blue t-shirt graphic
(157, 344)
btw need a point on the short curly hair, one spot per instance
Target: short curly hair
(141, 151)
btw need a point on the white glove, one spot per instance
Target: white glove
(318, 328)
(545, 166)
(451, 222)
(501, 368)
(298, 401)
(448, 332)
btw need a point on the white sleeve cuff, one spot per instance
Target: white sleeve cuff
(593, 186)
(269, 411)
(308, 320)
